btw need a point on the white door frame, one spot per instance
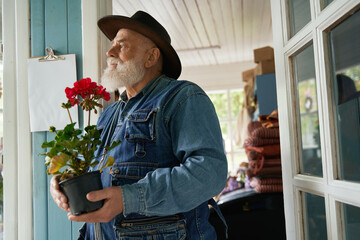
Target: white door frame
(334, 191)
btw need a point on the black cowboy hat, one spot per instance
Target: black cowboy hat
(146, 25)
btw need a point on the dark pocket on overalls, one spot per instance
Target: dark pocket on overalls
(160, 228)
(140, 129)
(130, 172)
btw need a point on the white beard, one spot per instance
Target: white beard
(125, 74)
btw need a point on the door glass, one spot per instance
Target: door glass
(300, 15)
(345, 55)
(351, 218)
(307, 112)
(314, 217)
(325, 3)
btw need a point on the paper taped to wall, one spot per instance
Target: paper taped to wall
(47, 83)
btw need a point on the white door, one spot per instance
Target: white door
(317, 54)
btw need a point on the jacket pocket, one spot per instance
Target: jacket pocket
(140, 126)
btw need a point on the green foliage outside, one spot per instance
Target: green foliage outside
(220, 103)
(228, 105)
(354, 74)
(307, 89)
(237, 100)
(308, 116)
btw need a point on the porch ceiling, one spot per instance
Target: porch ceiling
(209, 32)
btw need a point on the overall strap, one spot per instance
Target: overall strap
(113, 123)
(220, 215)
(112, 127)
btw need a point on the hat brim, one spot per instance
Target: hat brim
(110, 25)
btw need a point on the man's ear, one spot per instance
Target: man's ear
(153, 56)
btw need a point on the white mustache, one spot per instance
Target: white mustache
(112, 60)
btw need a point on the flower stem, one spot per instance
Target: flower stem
(89, 118)
(69, 115)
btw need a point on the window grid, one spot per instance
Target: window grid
(229, 137)
(321, 21)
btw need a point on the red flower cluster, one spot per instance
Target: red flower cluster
(89, 91)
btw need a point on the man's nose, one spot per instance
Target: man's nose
(112, 52)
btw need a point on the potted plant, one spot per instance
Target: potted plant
(72, 153)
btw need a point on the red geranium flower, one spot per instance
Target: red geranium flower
(86, 94)
(74, 149)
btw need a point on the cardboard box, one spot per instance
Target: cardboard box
(263, 54)
(248, 75)
(264, 67)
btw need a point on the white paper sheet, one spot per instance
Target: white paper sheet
(47, 83)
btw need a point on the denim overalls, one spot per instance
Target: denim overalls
(170, 163)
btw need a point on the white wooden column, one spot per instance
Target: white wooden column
(17, 140)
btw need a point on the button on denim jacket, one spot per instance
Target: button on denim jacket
(170, 163)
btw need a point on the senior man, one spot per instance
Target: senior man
(171, 161)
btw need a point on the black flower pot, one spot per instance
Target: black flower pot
(76, 189)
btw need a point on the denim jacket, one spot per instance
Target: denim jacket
(170, 163)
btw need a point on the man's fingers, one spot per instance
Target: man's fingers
(58, 196)
(98, 195)
(85, 217)
(55, 182)
(113, 206)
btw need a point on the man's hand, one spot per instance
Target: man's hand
(59, 198)
(113, 206)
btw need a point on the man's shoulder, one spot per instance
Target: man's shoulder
(180, 92)
(182, 86)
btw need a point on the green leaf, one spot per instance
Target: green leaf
(113, 144)
(66, 105)
(90, 127)
(69, 128)
(48, 144)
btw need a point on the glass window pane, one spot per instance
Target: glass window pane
(345, 54)
(231, 166)
(237, 99)
(307, 98)
(220, 102)
(307, 111)
(300, 15)
(226, 136)
(239, 157)
(314, 217)
(325, 3)
(351, 216)
(234, 129)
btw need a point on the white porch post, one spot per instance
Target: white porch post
(17, 137)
